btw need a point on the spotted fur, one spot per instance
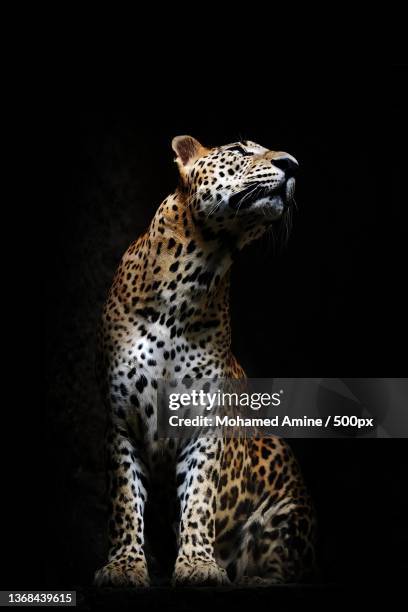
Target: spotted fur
(242, 512)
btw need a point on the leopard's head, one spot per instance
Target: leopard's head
(241, 187)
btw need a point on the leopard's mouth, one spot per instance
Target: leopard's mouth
(257, 191)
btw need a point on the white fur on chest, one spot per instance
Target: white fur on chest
(153, 357)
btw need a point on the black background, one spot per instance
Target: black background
(330, 303)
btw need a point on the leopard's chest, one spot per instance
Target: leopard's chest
(148, 360)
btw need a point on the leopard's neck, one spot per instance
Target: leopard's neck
(180, 272)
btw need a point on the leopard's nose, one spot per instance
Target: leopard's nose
(287, 163)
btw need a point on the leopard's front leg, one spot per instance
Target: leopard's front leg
(127, 478)
(197, 473)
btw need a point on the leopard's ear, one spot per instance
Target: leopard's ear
(187, 149)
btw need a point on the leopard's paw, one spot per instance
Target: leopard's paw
(198, 572)
(122, 571)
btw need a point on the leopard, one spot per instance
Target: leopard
(239, 508)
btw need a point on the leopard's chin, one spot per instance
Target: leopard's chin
(290, 191)
(271, 201)
(272, 207)
(274, 203)
(285, 193)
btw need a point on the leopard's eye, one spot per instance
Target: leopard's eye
(239, 149)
